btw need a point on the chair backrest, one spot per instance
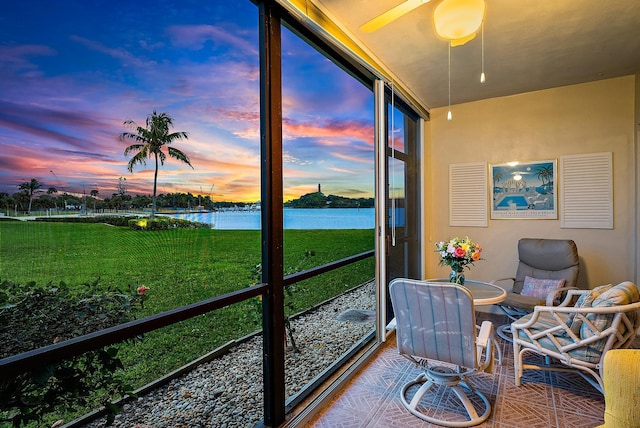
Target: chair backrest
(435, 320)
(547, 259)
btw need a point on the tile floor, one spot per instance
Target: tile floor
(545, 399)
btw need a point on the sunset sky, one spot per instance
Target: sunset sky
(71, 72)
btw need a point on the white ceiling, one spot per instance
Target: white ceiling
(529, 45)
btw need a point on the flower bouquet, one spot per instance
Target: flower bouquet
(458, 253)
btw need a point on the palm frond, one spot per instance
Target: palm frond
(176, 136)
(133, 148)
(137, 159)
(179, 155)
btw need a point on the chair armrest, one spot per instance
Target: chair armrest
(572, 293)
(493, 282)
(485, 334)
(484, 346)
(538, 310)
(557, 339)
(551, 297)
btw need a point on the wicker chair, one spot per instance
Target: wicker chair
(436, 321)
(579, 336)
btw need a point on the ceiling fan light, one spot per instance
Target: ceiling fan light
(458, 20)
(462, 41)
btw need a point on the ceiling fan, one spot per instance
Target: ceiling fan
(454, 20)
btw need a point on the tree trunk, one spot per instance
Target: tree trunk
(155, 182)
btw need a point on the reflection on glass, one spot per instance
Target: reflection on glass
(396, 128)
(329, 207)
(397, 192)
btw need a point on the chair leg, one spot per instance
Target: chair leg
(426, 386)
(517, 362)
(504, 331)
(498, 347)
(458, 389)
(471, 411)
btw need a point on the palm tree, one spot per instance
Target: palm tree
(31, 187)
(6, 201)
(94, 194)
(497, 177)
(51, 191)
(149, 143)
(545, 174)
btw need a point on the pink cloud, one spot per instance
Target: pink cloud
(334, 128)
(365, 160)
(342, 170)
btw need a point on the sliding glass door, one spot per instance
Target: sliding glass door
(402, 198)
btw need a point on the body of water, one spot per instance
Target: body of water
(294, 218)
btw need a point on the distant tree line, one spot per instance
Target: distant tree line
(319, 200)
(32, 197)
(25, 201)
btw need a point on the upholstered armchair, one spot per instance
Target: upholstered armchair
(546, 269)
(436, 330)
(579, 336)
(621, 376)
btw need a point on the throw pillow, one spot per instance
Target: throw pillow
(540, 288)
(585, 301)
(622, 294)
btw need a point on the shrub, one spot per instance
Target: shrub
(33, 316)
(164, 223)
(113, 220)
(133, 222)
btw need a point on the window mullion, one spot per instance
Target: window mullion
(272, 213)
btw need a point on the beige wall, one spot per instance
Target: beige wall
(587, 118)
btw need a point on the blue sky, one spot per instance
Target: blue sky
(71, 72)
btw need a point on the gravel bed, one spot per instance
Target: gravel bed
(227, 392)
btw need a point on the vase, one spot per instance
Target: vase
(456, 277)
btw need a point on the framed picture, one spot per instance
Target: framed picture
(524, 190)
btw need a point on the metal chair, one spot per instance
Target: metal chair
(539, 259)
(436, 330)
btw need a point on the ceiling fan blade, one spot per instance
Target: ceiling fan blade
(391, 15)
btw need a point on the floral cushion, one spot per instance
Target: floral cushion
(540, 288)
(585, 301)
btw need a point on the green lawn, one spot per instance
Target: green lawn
(180, 266)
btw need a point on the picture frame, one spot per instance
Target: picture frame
(524, 190)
